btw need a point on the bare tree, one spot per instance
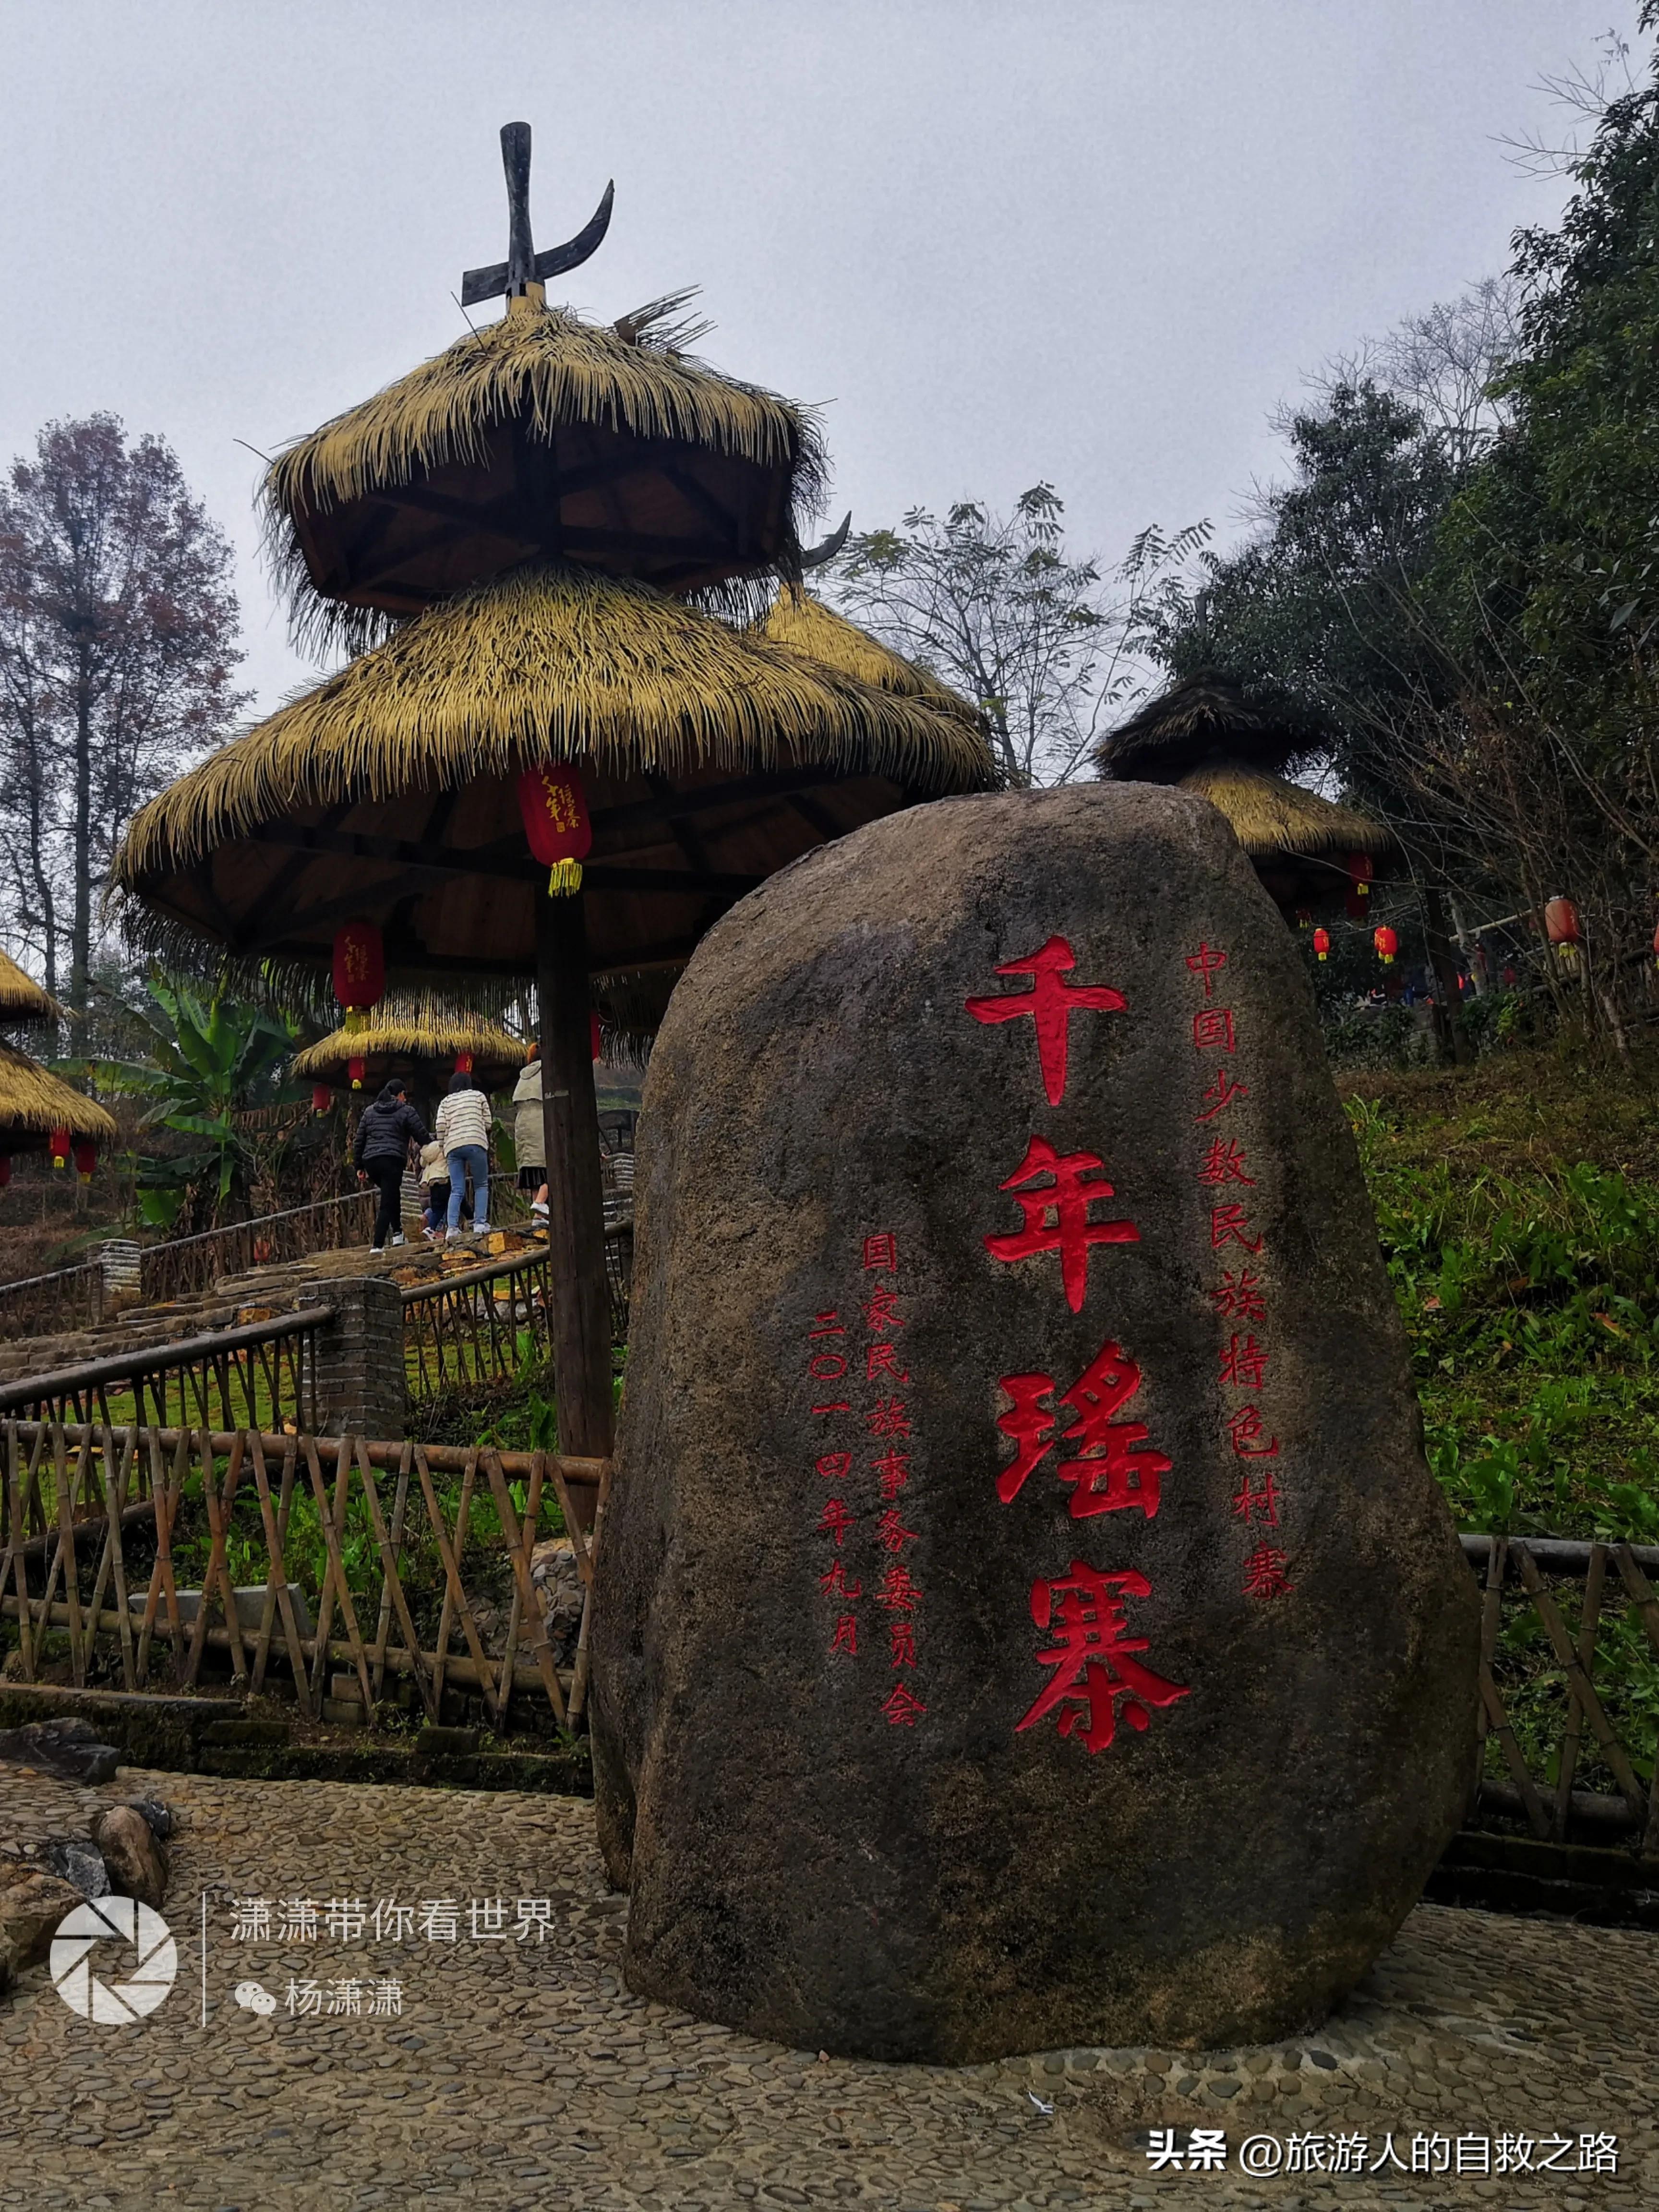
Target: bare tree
(1045, 646)
(1441, 364)
(117, 630)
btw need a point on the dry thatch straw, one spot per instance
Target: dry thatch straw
(548, 374)
(392, 1034)
(33, 1102)
(1270, 816)
(1204, 717)
(805, 625)
(546, 664)
(22, 999)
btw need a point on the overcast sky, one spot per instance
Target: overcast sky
(996, 241)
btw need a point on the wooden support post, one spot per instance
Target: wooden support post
(575, 1208)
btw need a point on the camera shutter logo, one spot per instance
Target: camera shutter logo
(113, 1960)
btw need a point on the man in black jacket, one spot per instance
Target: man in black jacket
(381, 1154)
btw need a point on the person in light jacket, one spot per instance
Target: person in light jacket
(433, 1172)
(463, 1130)
(529, 1141)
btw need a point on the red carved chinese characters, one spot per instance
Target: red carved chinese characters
(1244, 1360)
(869, 1365)
(1094, 1663)
(1113, 1469)
(1057, 1215)
(1050, 1002)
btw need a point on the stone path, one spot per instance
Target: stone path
(522, 2073)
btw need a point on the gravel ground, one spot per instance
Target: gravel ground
(522, 2072)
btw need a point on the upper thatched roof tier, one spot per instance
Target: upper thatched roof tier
(540, 436)
(1204, 717)
(710, 758)
(802, 621)
(404, 1036)
(21, 999)
(33, 1102)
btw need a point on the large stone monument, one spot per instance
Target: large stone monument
(1025, 1618)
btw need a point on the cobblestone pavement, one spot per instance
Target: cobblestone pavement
(524, 2074)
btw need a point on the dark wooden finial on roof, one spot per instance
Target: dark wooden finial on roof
(815, 556)
(524, 266)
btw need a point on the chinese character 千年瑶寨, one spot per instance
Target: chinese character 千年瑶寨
(1094, 1663)
(1113, 1470)
(1051, 1002)
(1075, 1181)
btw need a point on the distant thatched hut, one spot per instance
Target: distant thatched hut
(21, 999)
(428, 1042)
(1209, 735)
(38, 1107)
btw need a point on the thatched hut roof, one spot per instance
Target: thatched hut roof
(541, 436)
(33, 1102)
(1299, 840)
(801, 621)
(710, 758)
(397, 1037)
(1204, 717)
(21, 999)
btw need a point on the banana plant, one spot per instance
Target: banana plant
(212, 1070)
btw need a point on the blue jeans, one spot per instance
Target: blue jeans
(466, 1157)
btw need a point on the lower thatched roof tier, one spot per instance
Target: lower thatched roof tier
(802, 621)
(541, 435)
(1208, 716)
(402, 1039)
(1299, 840)
(710, 759)
(33, 1102)
(21, 999)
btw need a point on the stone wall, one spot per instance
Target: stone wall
(360, 1358)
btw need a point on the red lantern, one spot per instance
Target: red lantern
(1323, 943)
(593, 1033)
(355, 1070)
(1656, 946)
(1561, 928)
(5, 1169)
(463, 1063)
(86, 1159)
(59, 1142)
(1361, 873)
(1387, 943)
(359, 970)
(321, 1098)
(1304, 917)
(555, 810)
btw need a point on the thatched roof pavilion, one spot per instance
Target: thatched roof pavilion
(22, 999)
(710, 758)
(541, 436)
(401, 1040)
(1208, 734)
(801, 621)
(33, 1102)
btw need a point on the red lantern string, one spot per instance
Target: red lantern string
(554, 808)
(359, 971)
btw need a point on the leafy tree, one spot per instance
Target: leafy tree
(214, 1072)
(1044, 644)
(117, 630)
